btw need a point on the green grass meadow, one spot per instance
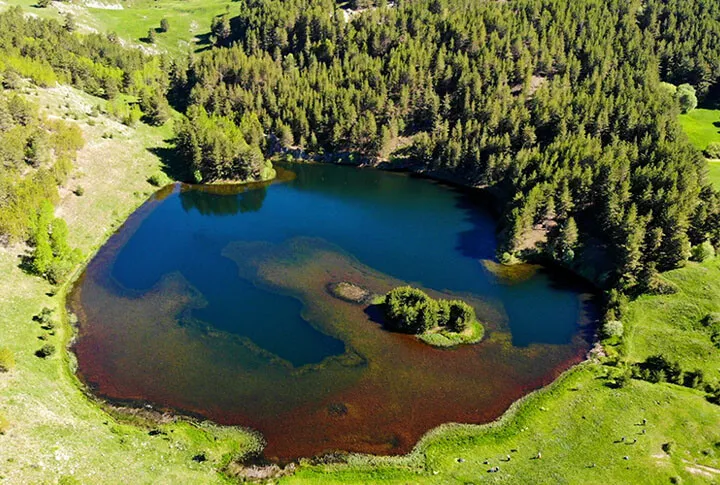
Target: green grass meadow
(189, 20)
(702, 127)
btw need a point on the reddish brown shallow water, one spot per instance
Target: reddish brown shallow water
(378, 392)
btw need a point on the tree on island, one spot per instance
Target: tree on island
(410, 310)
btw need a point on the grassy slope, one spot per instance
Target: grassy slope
(701, 128)
(187, 18)
(699, 125)
(714, 173)
(55, 430)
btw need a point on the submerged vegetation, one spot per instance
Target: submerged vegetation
(436, 322)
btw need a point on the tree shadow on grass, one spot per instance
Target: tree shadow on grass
(172, 164)
(203, 42)
(26, 264)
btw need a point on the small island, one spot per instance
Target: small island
(440, 323)
(350, 292)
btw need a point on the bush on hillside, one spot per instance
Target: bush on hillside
(703, 252)
(45, 351)
(658, 368)
(686, 97)
(613, 328)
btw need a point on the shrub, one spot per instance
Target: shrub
(686, 97)
(713, 395)
(45, 316)
(7, 360)
(507, 258)
(657, 285)
(79, 191)
(59, 270)
(703, 252)
(45, 351)
(410, 310)
(158, 179)
(713, 150)
(613, 328)
(712, 324)
(712, 320)
(622, 378)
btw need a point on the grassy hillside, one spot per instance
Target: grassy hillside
(189, 19)
(54, 430)
(702, 126)
(714, 173)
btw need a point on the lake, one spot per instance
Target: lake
(213, 301)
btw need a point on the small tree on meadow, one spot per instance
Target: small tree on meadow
(703, 252)
(164, 25)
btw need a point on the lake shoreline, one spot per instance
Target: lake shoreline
(178, 191)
